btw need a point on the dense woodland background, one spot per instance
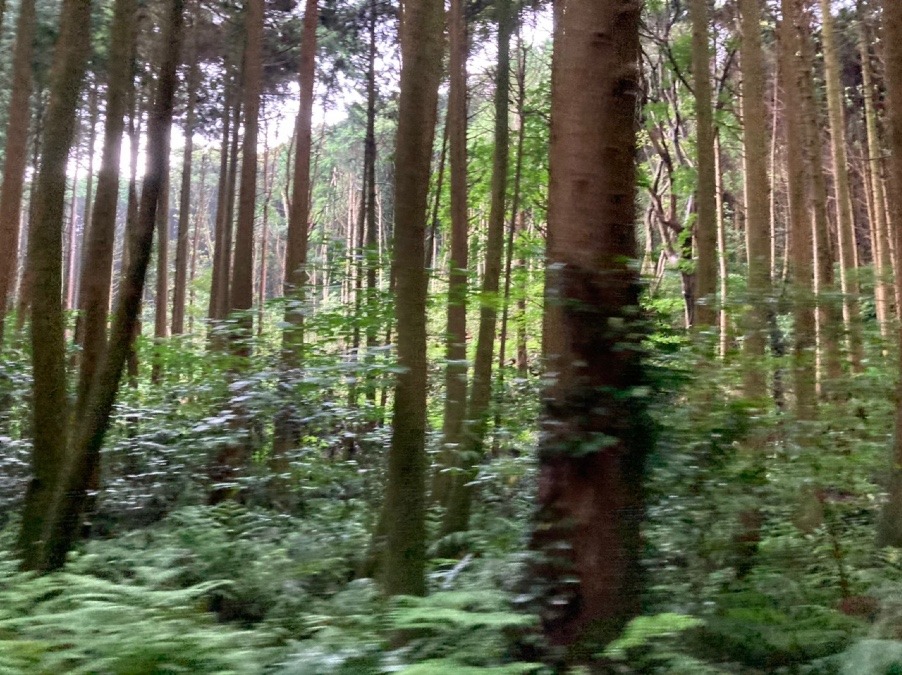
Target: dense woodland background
(357, 337)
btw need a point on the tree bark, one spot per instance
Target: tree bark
(49, 403)
(16, 154)
(706, 206)
(457, 507)
(845, 222)
(404, 563)
(590, 502)
(757, 195)
(889, 530)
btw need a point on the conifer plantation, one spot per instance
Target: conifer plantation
(351, 337)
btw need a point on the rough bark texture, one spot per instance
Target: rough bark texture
(889, 531)
(16, 154)
(757, 196)
(593, 445)
(706, 220)
(404, 563)
(844, 213)
(45, 249)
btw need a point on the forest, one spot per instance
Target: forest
(350, 337)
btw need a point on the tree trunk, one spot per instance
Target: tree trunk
(94, 299)
(800, 236)
(757, 195)
(706, 205)
(455, 405)
(845, 223)
(829, 311)
(161, 297)
(45, 249)
(882, 266)
(457, 507)
(221, 254)
(590, 502)
(90, 430)
(889, 531)
(179, 292)
(242, 288)
(16, 154)
(286, 425)
(404, 564)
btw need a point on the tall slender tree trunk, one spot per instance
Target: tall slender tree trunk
(179, 291)
(88, 204)
(16, 154)
(845, 222)
(94, 299)
(242, 288)
(757, 195)
(286, 424)
(221, 254)
(161, 296)
(45, 249)
(200, 223)
(404, 510)
(372, 232)
(457, 507)
(800, 237)
(706, 204)
(590, 503)
(829, 311)
(889, 531)
(455, 405)
(882, 266)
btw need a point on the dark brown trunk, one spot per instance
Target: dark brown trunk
(594, 444)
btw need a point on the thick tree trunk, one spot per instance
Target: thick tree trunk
(45, 249)
(404, 564)
(90, 430)
(757, 196)
(16, 154)
(889, 531)
(594, 442)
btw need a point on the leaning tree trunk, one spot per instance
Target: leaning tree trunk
(16, 154)
(94, 299)
(404, 510)
(889, 532)
(594, 442)
(45, 249)
(90, 429)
